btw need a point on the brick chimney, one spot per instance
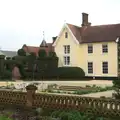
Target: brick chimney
(54, 38)
(85, 20)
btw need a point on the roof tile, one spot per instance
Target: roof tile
(100, 33)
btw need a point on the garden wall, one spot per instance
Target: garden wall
(30, 99)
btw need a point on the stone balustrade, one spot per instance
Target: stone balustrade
(98, 106)
(13, 97)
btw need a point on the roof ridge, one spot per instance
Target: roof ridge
(32, 46)
(95, 25)
(104, 25)
(73, 25)
(95, 33)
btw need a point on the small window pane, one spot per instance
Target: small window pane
(67, 49)
(66, 35)
(104, 48)
(67, 60)
(90, 49)
(105, 67)
(90, 67)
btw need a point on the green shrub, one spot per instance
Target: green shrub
(21, 52)
(54, 73)
(88, 86)
(13, 58)
(2, 117)
(70, 72)
(116, 86)
(8, 58)
(46, 64)
(7, 74)
(33, 54)
(69, 115)
(42, 53)
(21, 58)
(52, 54)
(21, 68)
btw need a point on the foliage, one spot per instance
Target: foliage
(44, 71)
(7, 74)
(74, 115)
(82, 91)
(13, 58)
(32, 54)
(8, 58)
(21, 68)
(52, 54)
(42, 53)
(21, 58)
(2, 117)
(21, 52)
(116, 85)
(46, 63)
(70, 72)
(98, 89)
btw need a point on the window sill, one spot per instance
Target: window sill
(66, 65)
(105, 53)
(66, 53)
(90, 53)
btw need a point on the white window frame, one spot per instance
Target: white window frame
(104, 68)
(66, 61)
(104, 48)
(66, 49)
(90, 68)
(90, 49)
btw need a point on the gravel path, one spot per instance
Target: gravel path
(70, 83)
(43, 84)
(106, 94)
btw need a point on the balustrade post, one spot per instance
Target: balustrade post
(31, 89)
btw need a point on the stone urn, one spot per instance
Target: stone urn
(31, 87)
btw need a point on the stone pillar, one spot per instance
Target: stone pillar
(2, 59)
(30, 95)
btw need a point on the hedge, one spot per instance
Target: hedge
(46, 63)
(21, 58)
(70, 72)
(7, 74)
(58, 73)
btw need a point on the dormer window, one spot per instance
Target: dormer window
(66, 35)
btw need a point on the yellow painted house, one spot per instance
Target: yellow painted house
(93, 48)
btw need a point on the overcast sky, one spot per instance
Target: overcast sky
(23, 21)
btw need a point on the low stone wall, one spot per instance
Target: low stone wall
(30, 99)
(10, 97)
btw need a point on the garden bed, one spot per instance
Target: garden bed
(79, 90)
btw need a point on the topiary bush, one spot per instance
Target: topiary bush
(21, 52)
(70, 72)
(7, 74)
(42, 53)
(56, 73)
(52, 54)
(8, 58)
